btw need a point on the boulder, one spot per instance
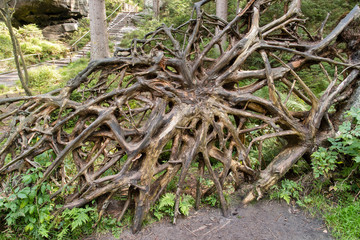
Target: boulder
(58, 31)
(48, 12)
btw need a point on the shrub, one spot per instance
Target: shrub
(44, 77)
(288, 190)
(344, 148)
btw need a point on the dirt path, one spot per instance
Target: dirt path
(265, 220)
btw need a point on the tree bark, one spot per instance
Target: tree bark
(98, 30)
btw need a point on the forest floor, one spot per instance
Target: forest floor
(264, 220)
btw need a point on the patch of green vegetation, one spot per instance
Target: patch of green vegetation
(28, 212)
(333, 191)
(166, 204)
(212, 200)
(70, 71)
(344, 220)
(3, 88)
(44, 78)
(287, 191)
(74, 40)
(315, 12)
(5, 42)
(174, 13)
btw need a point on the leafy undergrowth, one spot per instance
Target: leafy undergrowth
(332, 188)
(28, 213)
(166, 204)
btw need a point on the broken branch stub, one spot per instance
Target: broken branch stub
(131, 124)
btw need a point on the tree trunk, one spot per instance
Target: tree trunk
(6, 15)
(222, 13)
(98, 30)
(156, 8)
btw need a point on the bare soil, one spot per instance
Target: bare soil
(264, 220)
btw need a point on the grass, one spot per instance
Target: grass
(47, 78)
(71, 70)
(43, 78)
(344, 220)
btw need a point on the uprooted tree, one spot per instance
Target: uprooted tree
(131, 123)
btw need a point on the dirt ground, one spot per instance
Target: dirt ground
(265, 220)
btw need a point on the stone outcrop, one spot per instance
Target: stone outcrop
(58, 31)
(49, 12)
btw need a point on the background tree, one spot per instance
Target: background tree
(156, 8)
(222, 13)
(6, 13)
(98, 30)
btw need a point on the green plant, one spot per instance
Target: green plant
(335, 197)
(344, 147)
(109, 223)
(2, 87)
(288, 190)
(347, 142)
(44, 78)
(344, 221)
(212, 200)
(165, 205)
(323, 161)
(76, 221)
(79, 38)
(70, 71)
(28, 210)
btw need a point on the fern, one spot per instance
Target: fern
(76, 221)
(44, 231)
(63, 232)
(166, 205)
(186, 204)
(168, 200)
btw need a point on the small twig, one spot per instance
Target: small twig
(291, 90)
(321, 30)
(103, 208)
(127, 203)
(217, 228)
(356, 196)
(190, 231)
(273, 233)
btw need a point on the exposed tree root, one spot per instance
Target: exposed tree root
(131, 124)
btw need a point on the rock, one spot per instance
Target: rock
(48, 12)
(54, 32)
(70, 27)
(58, 31)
